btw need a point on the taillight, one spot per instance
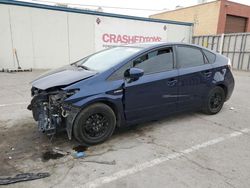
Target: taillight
(229, 64)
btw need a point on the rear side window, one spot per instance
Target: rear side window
(189, 56)
(156, 61)
(210, 56)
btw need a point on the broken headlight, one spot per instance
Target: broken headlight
(71, 92)
(63, 94)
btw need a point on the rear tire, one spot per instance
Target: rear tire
(214, 101)
(94, 124)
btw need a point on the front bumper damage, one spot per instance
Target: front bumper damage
(51, 112)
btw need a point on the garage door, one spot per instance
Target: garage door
(235, 24)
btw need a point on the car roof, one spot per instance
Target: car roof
(156, 44)
(149, 45)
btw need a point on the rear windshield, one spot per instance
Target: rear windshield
(106, 59)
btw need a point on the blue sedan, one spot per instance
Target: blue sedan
(129, 84)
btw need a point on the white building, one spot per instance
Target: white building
(50, 36)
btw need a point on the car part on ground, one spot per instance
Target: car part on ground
(23, 177)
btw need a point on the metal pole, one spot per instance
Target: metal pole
(11, 36)
(221, 43)
(248, 65)
(240, 52)
(213, 42)
(244, 38)
(228, 46)
(235, 41)
(191, 34)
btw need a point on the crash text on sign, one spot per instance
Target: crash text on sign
(126, 39)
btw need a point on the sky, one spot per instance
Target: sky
(142, 8)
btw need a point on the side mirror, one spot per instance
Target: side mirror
(133, 73)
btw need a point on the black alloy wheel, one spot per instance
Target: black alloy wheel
(94, 124)
(214, 101)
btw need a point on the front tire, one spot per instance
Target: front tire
(214, 101)
(94, 124)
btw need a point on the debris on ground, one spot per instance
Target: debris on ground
(51, 155)
(80, 151)
(23, 177)
(79, 154)
(80, 148)
(57, 150)
(101, 162)
(232, 108)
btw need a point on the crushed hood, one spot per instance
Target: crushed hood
(61, 77)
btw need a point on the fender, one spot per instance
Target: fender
(114, 101)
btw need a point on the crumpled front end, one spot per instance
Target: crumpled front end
(51, 112)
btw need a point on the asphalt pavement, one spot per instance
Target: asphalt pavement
(184, 150)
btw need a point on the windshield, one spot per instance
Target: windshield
(106, 59)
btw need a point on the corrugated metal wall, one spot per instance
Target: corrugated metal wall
(236, 46)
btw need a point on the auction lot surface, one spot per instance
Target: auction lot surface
(185, 150)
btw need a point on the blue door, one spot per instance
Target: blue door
(155, 93)
(195, 77)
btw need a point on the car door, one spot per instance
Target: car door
(155, 93)
(195, 76)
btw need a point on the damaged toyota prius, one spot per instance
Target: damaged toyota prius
(129, 84)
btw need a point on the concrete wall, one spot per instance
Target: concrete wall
(44, 38)
(205, 17)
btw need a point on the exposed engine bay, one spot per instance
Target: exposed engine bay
(50, 110)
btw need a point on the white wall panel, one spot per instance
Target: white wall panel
(6, 52)
(50, 38)
(81, 35)
(22, 35)
(178, 33)
(136, 31)
(109, 31)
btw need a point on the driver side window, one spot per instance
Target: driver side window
(156, 61)
(153, 62)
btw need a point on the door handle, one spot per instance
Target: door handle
(172, 82)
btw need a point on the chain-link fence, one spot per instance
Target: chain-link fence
(236, 46)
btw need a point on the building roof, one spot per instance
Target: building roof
(201, 4)
(81, 11)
